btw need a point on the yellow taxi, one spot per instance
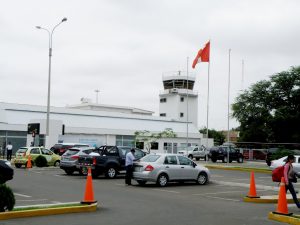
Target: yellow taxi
(23, 153)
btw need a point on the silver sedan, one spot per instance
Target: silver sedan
(164, 168)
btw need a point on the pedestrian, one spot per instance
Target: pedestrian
(129, 166)
(290, 178)
(9, 149)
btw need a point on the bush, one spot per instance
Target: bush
(7, 198)
(40, 161)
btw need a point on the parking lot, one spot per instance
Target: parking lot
(221, 201)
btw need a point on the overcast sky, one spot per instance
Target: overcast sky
(123, 47)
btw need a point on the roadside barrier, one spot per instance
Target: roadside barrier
(29, 165)
(252, 191)
(89, 192)
(282, 207)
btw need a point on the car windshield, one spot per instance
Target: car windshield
(71, 152)
(22, 150)
(150, 158)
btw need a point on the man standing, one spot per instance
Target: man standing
(9, 148)
(129, 166)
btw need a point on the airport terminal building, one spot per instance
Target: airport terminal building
(98, 124)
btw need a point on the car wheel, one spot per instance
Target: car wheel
(225, 159)
(18, 165)
(214, 160)
(111, 172)
(69, 172)
(197, 158)
(240, 160)
(141, 182)
(57, 163)
(190, 157)
(202, 178)
(162, 180)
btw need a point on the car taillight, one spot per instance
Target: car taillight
(94, 161)
(149, 168)
(75, 157)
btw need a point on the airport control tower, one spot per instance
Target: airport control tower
(178, 100)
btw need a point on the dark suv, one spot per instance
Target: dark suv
(221, 153)
(61, 148)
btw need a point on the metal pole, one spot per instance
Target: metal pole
(228, 131)
(207, 108)
(187, 104)
(49, 77)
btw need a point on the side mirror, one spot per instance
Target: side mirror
(194, 164)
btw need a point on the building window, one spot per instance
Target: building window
(168, 147)
(181, 114)
(154, 145)
(139, 145)
(125, 140)
(162, 100)
(182, 99)
(163, 114)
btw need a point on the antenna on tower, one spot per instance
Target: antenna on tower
(97, 93)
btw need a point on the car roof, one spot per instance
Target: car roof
(81, 148)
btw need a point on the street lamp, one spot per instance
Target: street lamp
(49, 74)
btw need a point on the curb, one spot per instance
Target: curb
(261, 199)
(248, 169)
(47, 211)
(284, 219)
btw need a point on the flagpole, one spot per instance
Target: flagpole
(187, 104)
(228, 131)
(207, 108)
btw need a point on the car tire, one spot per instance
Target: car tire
(224, 159)
(111, 172)
(240, 159)
(69, 172)
(213, 160)
(202, 178)
(141, 182)
(197, 158)
(18, 165)
(190, 157)
(56, 163)
(162, 180)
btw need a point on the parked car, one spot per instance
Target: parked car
(6, 171)
(280, 162)
(221, 153)
(109, 160)
(165, 168)
(23, 153)
(277, 153)
(197, 152)
(69, 160)
(61, 148)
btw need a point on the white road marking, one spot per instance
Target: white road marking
(21, 195)
(32, 200)
(226, 199)
(57, 175)
(215, 193)
(175, 192)
(264, 177)
(241, 179)
(258, 186)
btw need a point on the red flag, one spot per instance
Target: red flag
(203, 55)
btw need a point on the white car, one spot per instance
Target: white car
(282, 161)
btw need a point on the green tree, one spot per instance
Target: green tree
(270, 110)
(218, 136)
(147, 137)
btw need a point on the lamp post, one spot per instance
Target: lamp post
(49, 73)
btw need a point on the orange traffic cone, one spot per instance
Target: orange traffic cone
(89, 193)
(252, 191)
(29, 165)
(282, 202)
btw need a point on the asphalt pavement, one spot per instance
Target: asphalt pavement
(219, 202)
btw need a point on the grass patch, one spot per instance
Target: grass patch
(46, 207)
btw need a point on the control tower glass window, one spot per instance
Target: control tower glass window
(163, 115)
(182, 99)
(163, 100)
(181, 114)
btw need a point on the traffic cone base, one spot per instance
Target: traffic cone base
(89, 192)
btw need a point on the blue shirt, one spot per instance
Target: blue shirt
(129, 159)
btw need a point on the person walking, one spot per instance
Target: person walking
(9, 148)
(129, 166)
(290, 178)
